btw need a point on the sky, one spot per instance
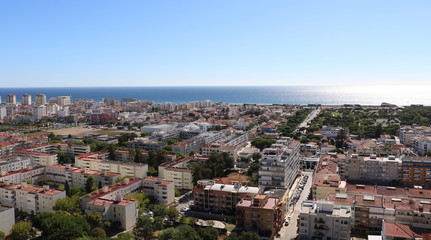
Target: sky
(224, 42)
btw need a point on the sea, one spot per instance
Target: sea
(325, 95)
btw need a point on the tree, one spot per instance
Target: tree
(67, 188)
(142, 199)
(208, 233)
(158, 223)
(68, 204)
(61, 226)
(2, 235)
(126, 236)
(144, 228)
(243, 236)
(159, 210)
(89, 185)
(98, 232)
(152, 172)
(262, 143)
(172, 213)
(428, 153)
(21, 230)
(111, 150)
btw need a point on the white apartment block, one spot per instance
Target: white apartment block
(7, 216)
(40, 99)
(122, 210)
(408, 133)
(97, 161)
(29, 198)
(39, 112)
(14, 164)
(16, 177)
(324, 220)
(279, 164)
(422, 144)
(26, 99)
(332, 132)
(178, 172)
(371, 168)
(78, 177)
(160, 189)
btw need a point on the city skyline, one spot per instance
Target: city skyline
(193, 43)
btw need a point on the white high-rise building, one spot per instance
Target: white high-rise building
(11, 98)
(39, 112)
(279, 164)
(324, 220)
(26, 99)
(40, 99)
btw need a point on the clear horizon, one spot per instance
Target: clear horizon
(214, 43)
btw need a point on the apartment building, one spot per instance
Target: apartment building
(7, 216)
(371, 168)
(97, 161)
(29, 198)
(324, 220)
(40, 99)
(197, 142)
(230, 145)
(26, 99)
(16, 177)
(409, 133)
(45, 154)
(374, 204)
(145, 144)
(11, 99)
(422, 144)
(179, 172)
(326, 178)
(332, 132)
(14, 164)
(416, 170)
(160, 189)
(263, 213)
(121, 210)
(221, 198)
(279, 164)
(78, 177)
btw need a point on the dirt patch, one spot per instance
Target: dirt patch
(237, 177)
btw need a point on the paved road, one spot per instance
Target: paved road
(308, 119)
(290, 232)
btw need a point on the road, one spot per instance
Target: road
(290, 232)
(308, 119)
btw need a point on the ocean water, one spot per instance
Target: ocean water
(373, 95)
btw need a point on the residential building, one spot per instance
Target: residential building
(29, 198)
(263, 213)
(14, 164)
(40, 99)
(26, 99)
(7, 216)
(332, 132)
(39, 112)
(416, 170)
(279, 164)
(179, 172)
(11, 99)
(145, 144)
(326, 178)
(324, 220)
(221, 198)
(98, 161)
(372, 168)
(422, 144)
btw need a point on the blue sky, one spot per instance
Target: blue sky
(162, 43)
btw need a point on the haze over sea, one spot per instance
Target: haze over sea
(370, 95)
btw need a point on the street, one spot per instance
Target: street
(290, 232)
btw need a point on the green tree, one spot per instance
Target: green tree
(159, 210)
(67, 188)
(98, 232)
(172, 213)
(89, 185)
(262, 143)
(126, 236)
(144, 228)
(111, 150)
(2, 235)
(208, 233)
(68, 204)
(158, 223)
(152, 172)
(21, 230)
(243, 236)
(428, 153)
